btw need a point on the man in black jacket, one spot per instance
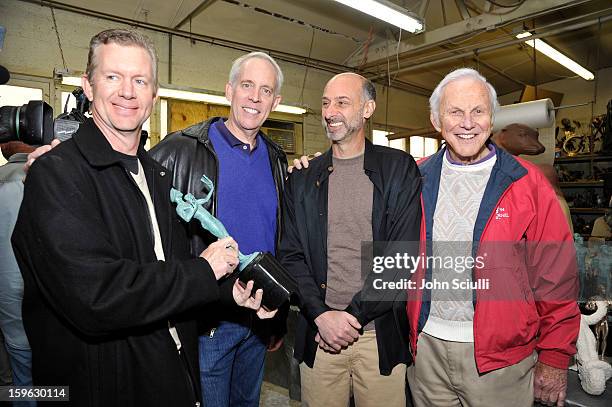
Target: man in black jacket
(354, 192)
(110, 285)
(248, 170)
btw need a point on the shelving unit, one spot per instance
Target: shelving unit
(587, 196)
(583, 158)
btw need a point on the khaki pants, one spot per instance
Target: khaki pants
(333, 376)
(445, 375)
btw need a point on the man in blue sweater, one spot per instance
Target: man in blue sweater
(248, 171)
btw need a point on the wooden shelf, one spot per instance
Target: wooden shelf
(588, 210)
(582, 184)
(583, 158)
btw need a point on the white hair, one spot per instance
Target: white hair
(436, 97)
(237, 66)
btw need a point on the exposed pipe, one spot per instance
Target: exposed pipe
(279, 55)
(425, 47)
(505, 44)
(170, 59)
(200, 8)
(499, 72)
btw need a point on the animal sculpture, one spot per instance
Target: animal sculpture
(518, 139)
(592, 371)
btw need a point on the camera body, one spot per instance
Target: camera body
(33, 122)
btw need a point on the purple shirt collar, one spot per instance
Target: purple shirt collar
(232, 140)
(491, 153)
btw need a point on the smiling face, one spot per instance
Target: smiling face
(465, 119)
(252, 98)
(343, 110)
(122, 92)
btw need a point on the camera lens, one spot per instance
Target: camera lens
(31, 123)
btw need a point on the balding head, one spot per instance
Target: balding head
(367, 87)
(348, 101)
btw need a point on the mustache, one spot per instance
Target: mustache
(333, 119)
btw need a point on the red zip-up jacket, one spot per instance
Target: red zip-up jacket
(529, 260)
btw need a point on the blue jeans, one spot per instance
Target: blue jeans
(231, 366)
(21, 365)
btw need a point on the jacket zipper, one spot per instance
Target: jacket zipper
(152, 236)
(476, 297)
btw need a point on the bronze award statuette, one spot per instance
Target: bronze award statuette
(263, 268)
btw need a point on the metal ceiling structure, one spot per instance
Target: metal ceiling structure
(326, 35)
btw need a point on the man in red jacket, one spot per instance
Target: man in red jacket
(498, 324)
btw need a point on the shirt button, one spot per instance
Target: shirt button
(244, 147)
(323, 285)
(330, 168)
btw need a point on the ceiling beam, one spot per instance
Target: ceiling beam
(378, 52)
(195, 12)
(423, 8)
(321, 65)
(498, 71)
(476, 49)
(465, 14)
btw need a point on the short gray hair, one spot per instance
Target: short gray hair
(239, 62)
(369, 90)
(436, 97)
(121, 37)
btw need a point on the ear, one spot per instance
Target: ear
(277, 100)
(433, 123)
(229, 92)
(368, 109)
(87, 89)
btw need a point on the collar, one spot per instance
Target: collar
(489, 155)
(505, 163)
(199, 131)
(232, 140)
(95, 147)
(371, 161)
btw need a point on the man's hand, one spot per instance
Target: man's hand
(302, 162)
(242, 296)
(274, 343)
(222, 256)
(323, 345)
(549, 385)
(338, 328)
(38, 152)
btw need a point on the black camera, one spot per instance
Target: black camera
(33, 122)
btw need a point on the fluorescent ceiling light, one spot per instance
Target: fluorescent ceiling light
(387, 12)
(557, 56)
(193, 96)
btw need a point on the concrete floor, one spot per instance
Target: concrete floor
(275, 396)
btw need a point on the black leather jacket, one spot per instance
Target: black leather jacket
(189, 154)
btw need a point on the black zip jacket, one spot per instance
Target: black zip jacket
(189, 154)
(97, 301)
(396, 216)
